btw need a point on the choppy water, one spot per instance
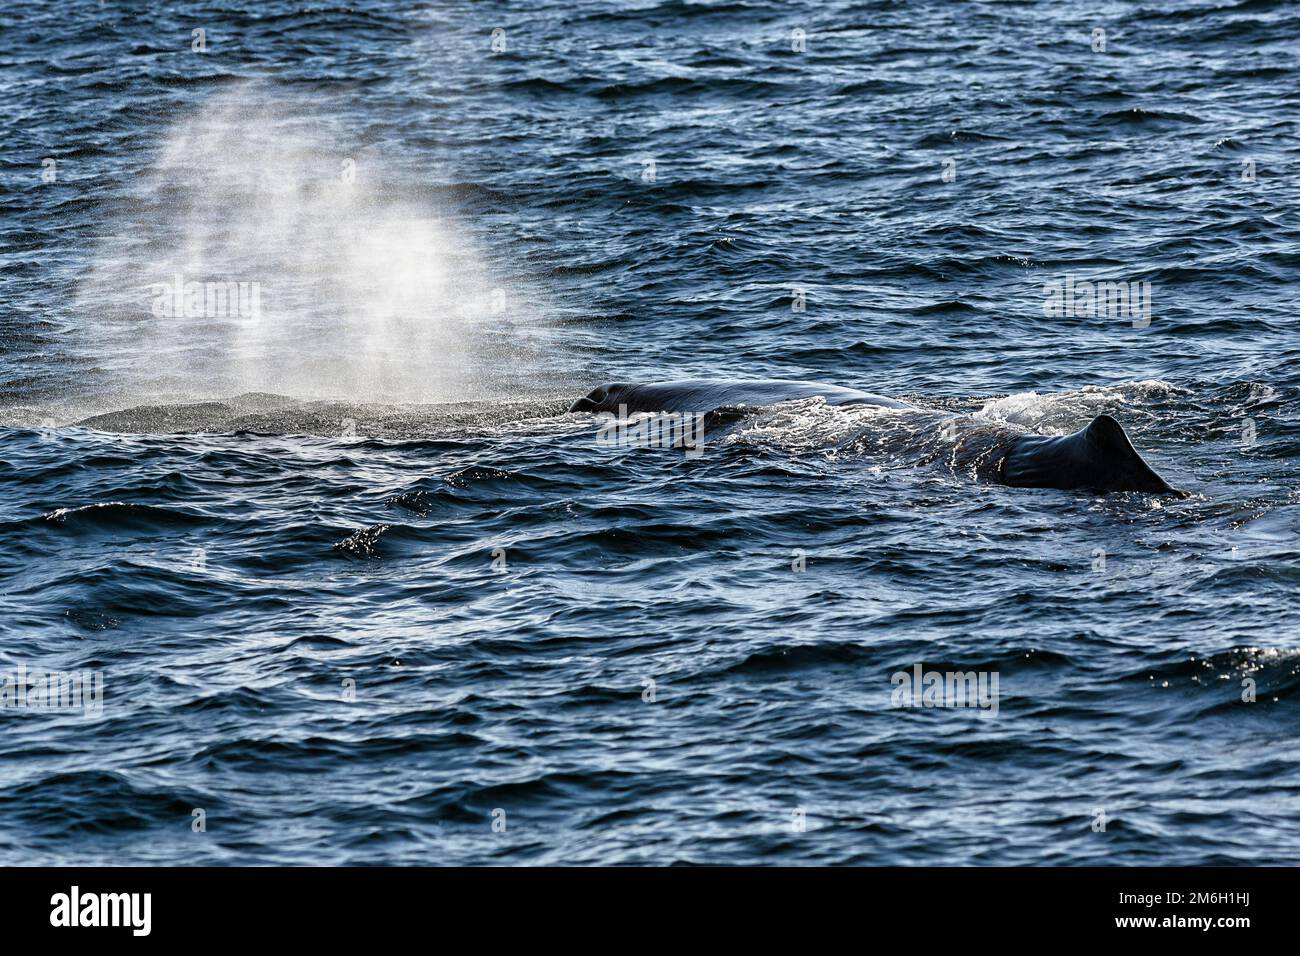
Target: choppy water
(635, 192)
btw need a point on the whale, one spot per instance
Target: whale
(1098, 457)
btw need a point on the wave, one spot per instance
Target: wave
(121, 515)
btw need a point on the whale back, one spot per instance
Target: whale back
(707, 395)
(1099, 457)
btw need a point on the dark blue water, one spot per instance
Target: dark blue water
(358, 588)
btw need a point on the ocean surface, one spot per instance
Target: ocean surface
(360, 591)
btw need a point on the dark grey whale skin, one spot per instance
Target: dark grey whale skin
(1098, 457)
(708, 395)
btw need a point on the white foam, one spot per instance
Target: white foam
(1062, 411)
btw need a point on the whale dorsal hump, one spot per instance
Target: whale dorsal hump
(1099, 457)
